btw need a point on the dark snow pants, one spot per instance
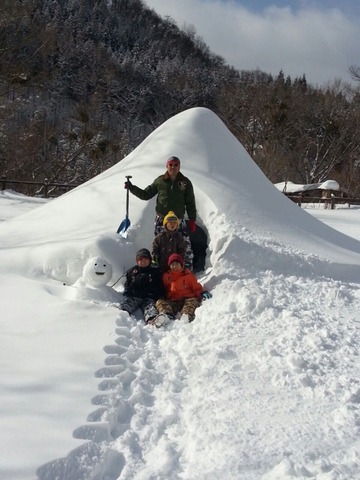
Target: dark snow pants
(146, 305)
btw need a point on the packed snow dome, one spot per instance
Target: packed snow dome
(262, 385)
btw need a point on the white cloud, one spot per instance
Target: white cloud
(320, 43)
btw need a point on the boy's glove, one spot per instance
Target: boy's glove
(128, 185)
(192, 226)
(206, 295)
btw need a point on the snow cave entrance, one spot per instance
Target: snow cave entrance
(199, 245)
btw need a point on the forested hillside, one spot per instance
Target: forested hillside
(83, 82)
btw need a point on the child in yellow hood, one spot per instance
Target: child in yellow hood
(168, 242)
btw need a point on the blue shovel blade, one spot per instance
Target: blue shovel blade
(124, 225)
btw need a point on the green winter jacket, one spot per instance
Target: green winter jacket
(178, 196)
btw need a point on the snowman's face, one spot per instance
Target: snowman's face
(97, 272)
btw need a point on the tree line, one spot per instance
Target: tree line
(83, 82)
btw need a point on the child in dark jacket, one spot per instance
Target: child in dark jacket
(168, 242)
(183, 293)
(143, 287)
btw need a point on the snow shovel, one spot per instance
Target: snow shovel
(125, 224)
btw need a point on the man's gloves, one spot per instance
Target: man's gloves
(192, 226)
(205, 295)
(128, 185)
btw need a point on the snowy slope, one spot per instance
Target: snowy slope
(229, 186)
(263, 385)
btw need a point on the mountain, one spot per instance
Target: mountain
(262, 385)
(83, 83)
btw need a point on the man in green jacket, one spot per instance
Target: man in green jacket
(175, 193)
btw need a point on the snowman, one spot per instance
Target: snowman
(97, 272)
(92, 286)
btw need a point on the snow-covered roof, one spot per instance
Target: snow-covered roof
(290, 187)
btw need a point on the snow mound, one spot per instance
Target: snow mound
(265, 380)
(229, 187)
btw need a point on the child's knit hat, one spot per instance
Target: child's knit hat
(143, 253)
(170, 217)
(175, 257)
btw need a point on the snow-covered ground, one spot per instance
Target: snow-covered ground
(264, 384)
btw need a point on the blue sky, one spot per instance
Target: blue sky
(347, 6)
(317, 38)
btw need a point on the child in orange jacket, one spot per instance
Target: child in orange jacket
(183, 293)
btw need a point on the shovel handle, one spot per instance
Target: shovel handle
(127, 196)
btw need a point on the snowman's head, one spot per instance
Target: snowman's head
(97, 272)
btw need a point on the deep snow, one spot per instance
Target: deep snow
(263, 384)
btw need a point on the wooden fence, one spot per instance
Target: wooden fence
(46, 189)
(328, 202)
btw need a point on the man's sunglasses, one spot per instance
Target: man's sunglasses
(173, 164)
